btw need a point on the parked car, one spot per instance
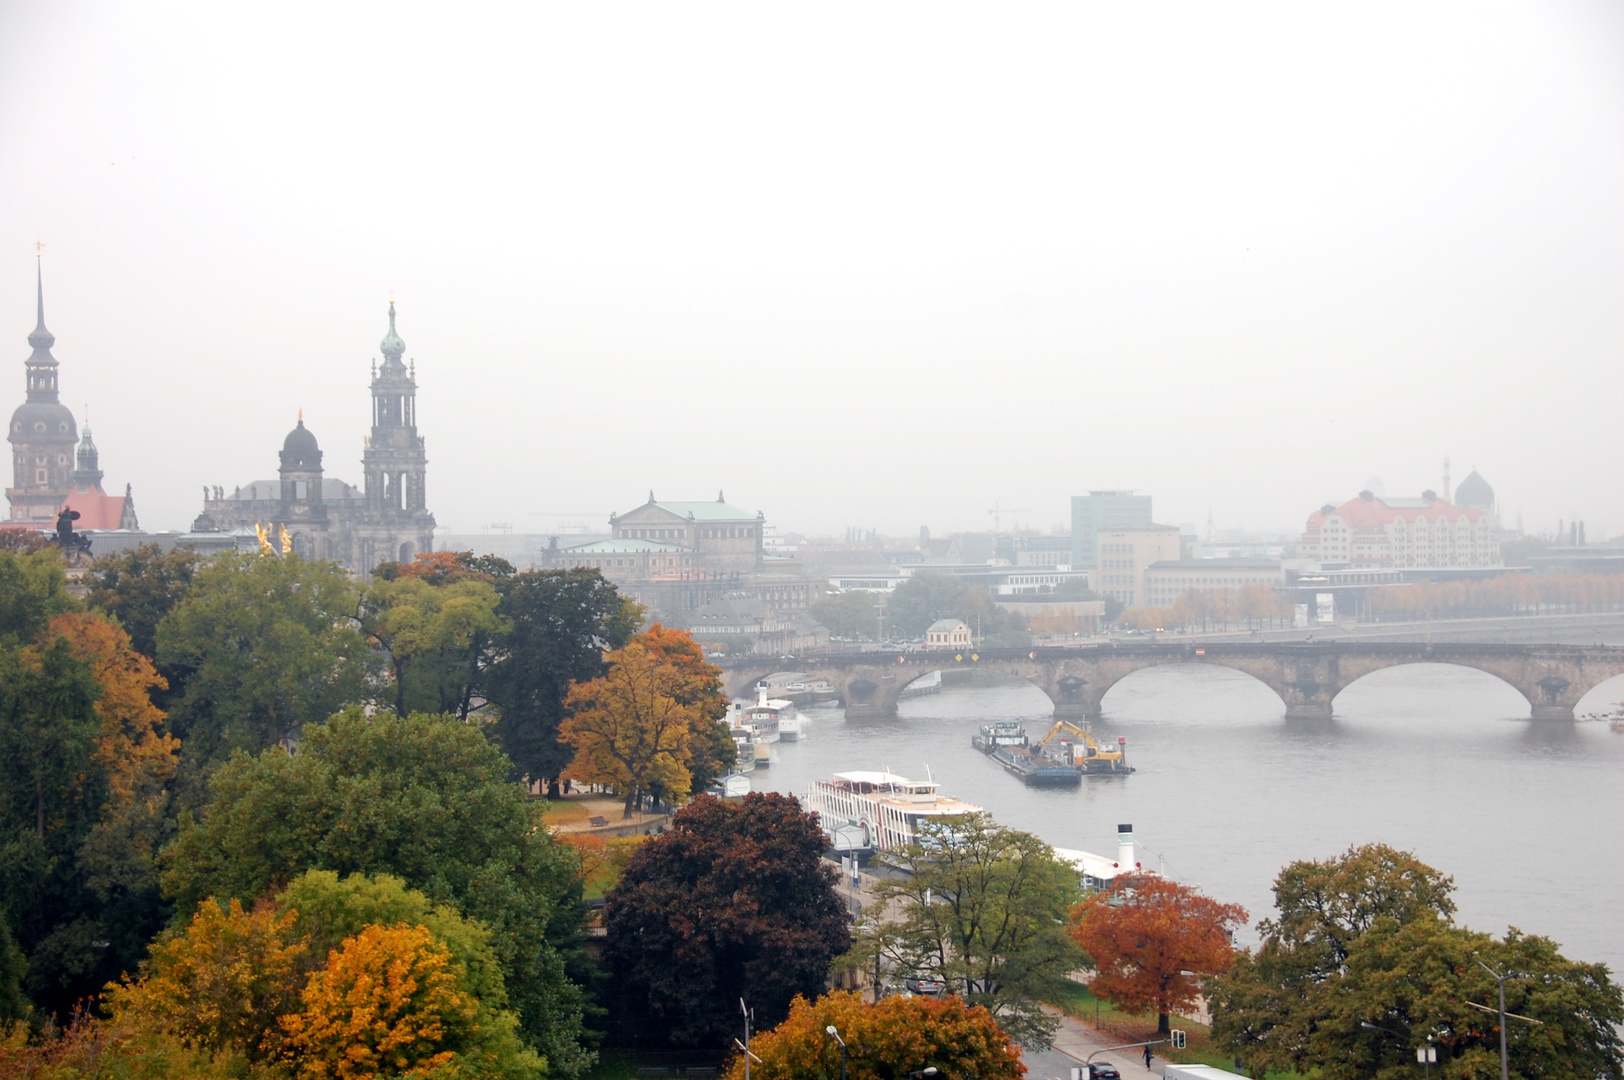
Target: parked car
(924, 986)
(1103, 1070)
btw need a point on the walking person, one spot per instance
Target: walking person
(1148, 1055)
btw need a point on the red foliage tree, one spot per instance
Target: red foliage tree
(1145, 934)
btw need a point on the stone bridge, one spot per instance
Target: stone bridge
(1306, 675)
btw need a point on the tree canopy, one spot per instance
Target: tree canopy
(562, 622)
(931, 595)
(982, 908)
(1369, 937)
(1151, 940)
(425, 798)
(897, 1037)
(732, 901)
(269, 644)
(437, 635)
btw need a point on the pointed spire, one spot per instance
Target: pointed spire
(41, 339)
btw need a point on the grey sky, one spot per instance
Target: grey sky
(856, 264)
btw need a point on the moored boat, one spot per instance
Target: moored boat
(1062, 757)
(877, 811)
(999, 733)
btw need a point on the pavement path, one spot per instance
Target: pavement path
(1073, 1043)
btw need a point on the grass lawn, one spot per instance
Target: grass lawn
(559, 811)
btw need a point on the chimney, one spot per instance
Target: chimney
(1125, 862)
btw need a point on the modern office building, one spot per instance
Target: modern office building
(1098, 511)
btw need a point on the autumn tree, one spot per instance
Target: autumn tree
(1369, 937)
(562, 622)
(427, 799)
(983, 909)
(711, 750)
(896, 1037)
(1151, 941)
(631, 729)
(734, 900)
(270, 644)
(223, 984)
(140, 586)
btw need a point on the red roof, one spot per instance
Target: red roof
(1372, 513)
(97, 509)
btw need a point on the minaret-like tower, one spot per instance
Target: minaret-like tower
(42, 433)
(87, 476)
(398, 524)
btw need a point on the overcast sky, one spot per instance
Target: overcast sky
(859, 264)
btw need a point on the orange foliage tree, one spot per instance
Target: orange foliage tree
(1145, 934)
(630, 728)
(386, 1004)
(898, 1036)
(222, 984)
(711, 749)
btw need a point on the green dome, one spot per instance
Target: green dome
(392, 346)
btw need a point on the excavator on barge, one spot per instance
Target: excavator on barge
(1076, 754)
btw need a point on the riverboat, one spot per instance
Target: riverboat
(1075, 753)
(772, 719)
(864, 812)
(999, 733)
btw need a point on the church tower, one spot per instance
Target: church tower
(302, 510)
(397, 524)
(42, 434)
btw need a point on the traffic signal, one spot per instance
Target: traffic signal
(1178, 1039)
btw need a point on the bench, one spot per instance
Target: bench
(598, 823)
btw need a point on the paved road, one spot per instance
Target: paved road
(1073, 1043)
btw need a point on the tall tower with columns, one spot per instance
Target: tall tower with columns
(397, 524)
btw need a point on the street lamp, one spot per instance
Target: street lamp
(1505, 1064)
(831, 1030)
(1426, 1055)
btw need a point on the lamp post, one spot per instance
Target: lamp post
(1426, 1055)
(1505, 1062)
(1368, 1026)
(831, 1030)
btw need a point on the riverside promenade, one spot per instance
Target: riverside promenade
(1073, 1043)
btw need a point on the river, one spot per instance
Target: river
(1528, 817)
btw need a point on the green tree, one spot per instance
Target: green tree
(852, 615)
(734, 900)
(13, 968)
(271, 644)
(139, 587)
(33, 588)
(930, 595)
(984, 909)
(437, 638)
(427, 799)
(1369, 938)
(562, 624)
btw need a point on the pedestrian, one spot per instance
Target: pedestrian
(1148, 1055)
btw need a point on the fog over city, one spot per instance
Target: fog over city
(878, 267)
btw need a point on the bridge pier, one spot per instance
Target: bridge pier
(1553, 712)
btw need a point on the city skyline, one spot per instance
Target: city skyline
(1083, 261)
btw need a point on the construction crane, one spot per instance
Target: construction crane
(1094, 757)
(997, 513)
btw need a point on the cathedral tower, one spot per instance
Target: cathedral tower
(303, 511)
(42, 434)
(398, 524)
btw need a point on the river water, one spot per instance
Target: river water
(1527, 816)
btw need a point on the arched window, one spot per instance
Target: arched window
(406, 552)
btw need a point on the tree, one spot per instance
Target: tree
(852, 615)
(711, 750)
(138, 587)
(931, 595)
(223, 984)
(563, 621)
(732, 901)
(271, 644)
(13, 967)
(33, 588)
(1151, 940)
(437, 637)
(425, 798)
(387, 1003)
(1368, 937)
(983, 909)
(896, 1037)
(630, 728)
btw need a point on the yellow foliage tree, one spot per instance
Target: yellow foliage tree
(222, 985)
(386, 1004)
(630, 728)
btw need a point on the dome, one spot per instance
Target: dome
(43, 422)
(299, 449)
(391, 345)
(1474, 493)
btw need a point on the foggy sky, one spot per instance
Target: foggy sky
(855, 264)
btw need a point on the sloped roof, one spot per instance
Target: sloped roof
(1375, 512)
(97, 509)
(946, 626)
(627, 547)
(707, 511)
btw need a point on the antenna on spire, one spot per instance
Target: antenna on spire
(39, 248)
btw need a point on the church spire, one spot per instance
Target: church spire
(41, 339)
(391, 346)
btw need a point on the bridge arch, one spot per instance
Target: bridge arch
(1195, 669)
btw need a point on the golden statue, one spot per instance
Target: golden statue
(264, 535)
(287, 541)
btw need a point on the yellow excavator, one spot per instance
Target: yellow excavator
(1083, 751)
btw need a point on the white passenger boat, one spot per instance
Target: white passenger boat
(771, 719)
(877, 811)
